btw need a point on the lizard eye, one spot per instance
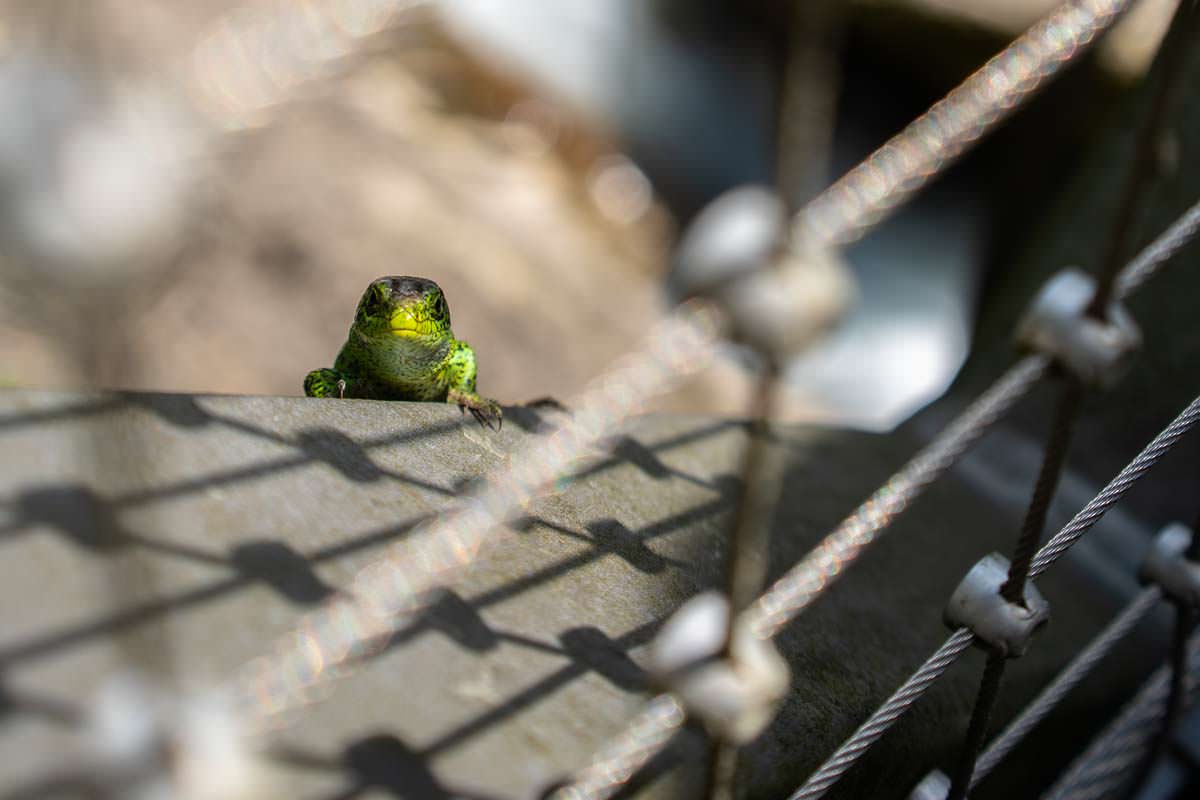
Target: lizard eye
(440, 309)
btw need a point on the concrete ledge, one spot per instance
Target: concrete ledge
(183, 534)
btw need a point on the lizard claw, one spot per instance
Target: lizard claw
(325, 383)
(486, 412)
(489, 415)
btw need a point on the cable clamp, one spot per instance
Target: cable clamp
(778, 290)
(1004, 627)
(1168, 566)
(142, 742)
(1097, 351)
(934, 786)
(735, 695)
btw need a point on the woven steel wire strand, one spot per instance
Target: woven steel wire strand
(1079, 668)
(858, 743)
(627, 754)
(1115, 490)
(277, 682)
(889, 177)
(1106, 765)
(810, 577)
(1157, 254)
(885, 716)
(643, 739)
(281, 680)
(806, 581)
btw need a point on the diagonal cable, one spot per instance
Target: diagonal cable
(1079, 668)
(1138, 179)
(325, 644)
(885, 717)
(888, 178)
(1115, 490)
(802, 584)
(1159, 252)
(1108, 763)
(806, 581)
(858, 743)
(392, 589)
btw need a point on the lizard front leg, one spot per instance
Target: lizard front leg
(460, 373)
(325, 383)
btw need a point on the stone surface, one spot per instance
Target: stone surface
(182, 535)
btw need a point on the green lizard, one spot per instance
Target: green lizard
(401, 347)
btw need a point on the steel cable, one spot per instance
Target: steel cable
(648, 734)
(748, 548)
(981, 715)
(804, 583)
(341, 633)
(1159, 252)
(1066, 413)
(1106, 765)
(1057, 444)
(853, 748)
(1115, 490)
(884, 717)
(1146, 150)
(1140, 176)
(885, 181)
(889, 177)
(1079, 668)
(1177, 663)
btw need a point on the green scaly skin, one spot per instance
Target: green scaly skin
(401, 347)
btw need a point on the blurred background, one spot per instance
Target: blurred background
(193, 195)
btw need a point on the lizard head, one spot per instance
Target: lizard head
(402, 306)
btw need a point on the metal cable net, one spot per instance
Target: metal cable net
(801, 585)
(931, 670)
(889, 177)
(870, 732)
(1151, 260)
(390, 591)
(1115, 490)
(885, 716)
(808, 579)
(235, 78)
(1109, 762)
(1079, 668)
(642, 740)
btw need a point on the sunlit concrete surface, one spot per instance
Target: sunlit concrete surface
(183, 535)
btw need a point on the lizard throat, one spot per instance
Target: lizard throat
(405, 325)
